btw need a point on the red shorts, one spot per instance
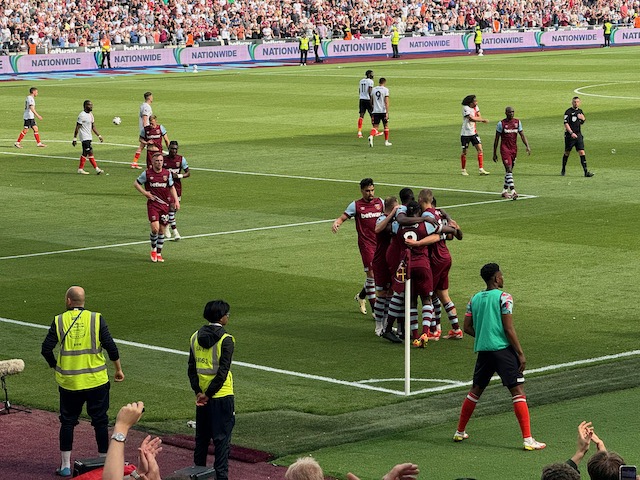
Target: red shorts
(440, 271)
(367, 252)
(158, 212)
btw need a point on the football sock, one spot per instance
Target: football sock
(386, 134)
(564, 161)
(413, 320)
(65, 459)
(82, 161)
(463, 161)
(93, 162)
(468, 406)
(480, 160)
(427, 317)
(36, 135)
(154, 240)
(373, 132)
(450, 308)
(508, 182)
(378, 311)
(583, 162)
(521, 410)
(396, 309)
(363, 293)
(172, 219)
(360, 124)
(136, 156)
(160, 243)
(370, 288)
(437, 308)
(21, 136)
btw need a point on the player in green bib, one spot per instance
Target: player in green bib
(489, 319)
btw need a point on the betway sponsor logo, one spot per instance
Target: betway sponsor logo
(137, 57)
(502, 40)
(370, 215)
(200, 55)
(158, 184)
(574, 37)
(55, 62)
(354, 47)
(510, 130)
(443, 42)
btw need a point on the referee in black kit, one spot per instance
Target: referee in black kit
(573, 120)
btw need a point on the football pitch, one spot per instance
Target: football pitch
(274, 160)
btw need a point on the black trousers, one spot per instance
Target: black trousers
(303, 56)
(106, 59)
(71, 403)
(315, 52)
(396, 53)
(215, 421)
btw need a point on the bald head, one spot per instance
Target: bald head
(75, 297)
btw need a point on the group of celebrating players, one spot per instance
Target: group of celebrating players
(397, 241)
(160, 183)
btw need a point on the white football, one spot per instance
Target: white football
(116, 120)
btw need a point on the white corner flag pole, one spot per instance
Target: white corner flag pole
(407, 336)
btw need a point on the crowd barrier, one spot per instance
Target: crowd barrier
(288, 51)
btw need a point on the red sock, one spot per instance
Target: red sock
(136, 157)
(37, 135)
(468, 406)
(521, 410)
(463, 162)
(360, 124)
(93, 162)
(480, 160)
(82, 161)
(21, 136)
(373, 132)
(386, 134)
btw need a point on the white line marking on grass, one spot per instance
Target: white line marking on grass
(580, 91)
(363, 384)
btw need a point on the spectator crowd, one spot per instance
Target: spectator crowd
(77, 23)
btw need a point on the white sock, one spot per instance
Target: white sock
(65, 459)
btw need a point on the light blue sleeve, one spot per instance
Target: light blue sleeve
(170, 182)
(499, 127)
(142, 179)
(430, 228)
(163, 130)
(380, 218)
(351, 210)
(519, 126)
(184, 165)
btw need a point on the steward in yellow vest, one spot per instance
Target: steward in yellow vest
(316, 46)
(395, 40)
(477, 39)
(608, 26)
(304, 48)
(210, 355)
(81, 371)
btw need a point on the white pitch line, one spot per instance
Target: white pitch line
(274, 175)
(580, 91)
(362, 384)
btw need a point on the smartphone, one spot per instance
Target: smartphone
(627, 472)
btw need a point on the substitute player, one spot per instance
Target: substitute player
(29, 118)
(179, 169)
(143, 121)
(507, 132)
(365, 211)
(489, 319)
(573, 120)
(380, 100)
(469, 133)
(85, 126)
(364, 90)
(156, 183)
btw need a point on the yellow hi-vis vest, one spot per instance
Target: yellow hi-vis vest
(81, 364)
(207, 364)
(395, 37)
(477, 36)
(304, 43)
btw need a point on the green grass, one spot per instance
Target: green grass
(568, 254)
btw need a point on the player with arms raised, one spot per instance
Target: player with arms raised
(85, 126)
(179, 169)
(156, 183)
(507, 132)
(364, 89)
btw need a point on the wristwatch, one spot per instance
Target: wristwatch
(119, 437)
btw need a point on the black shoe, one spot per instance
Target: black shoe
(588, 174)
(562, 173)
(391, 337)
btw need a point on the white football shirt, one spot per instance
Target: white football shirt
(85, 120)
(28, 114)
(468, 126)
(365, 85)
(145, 109)
(379, 93)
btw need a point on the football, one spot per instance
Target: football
(116, 120)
